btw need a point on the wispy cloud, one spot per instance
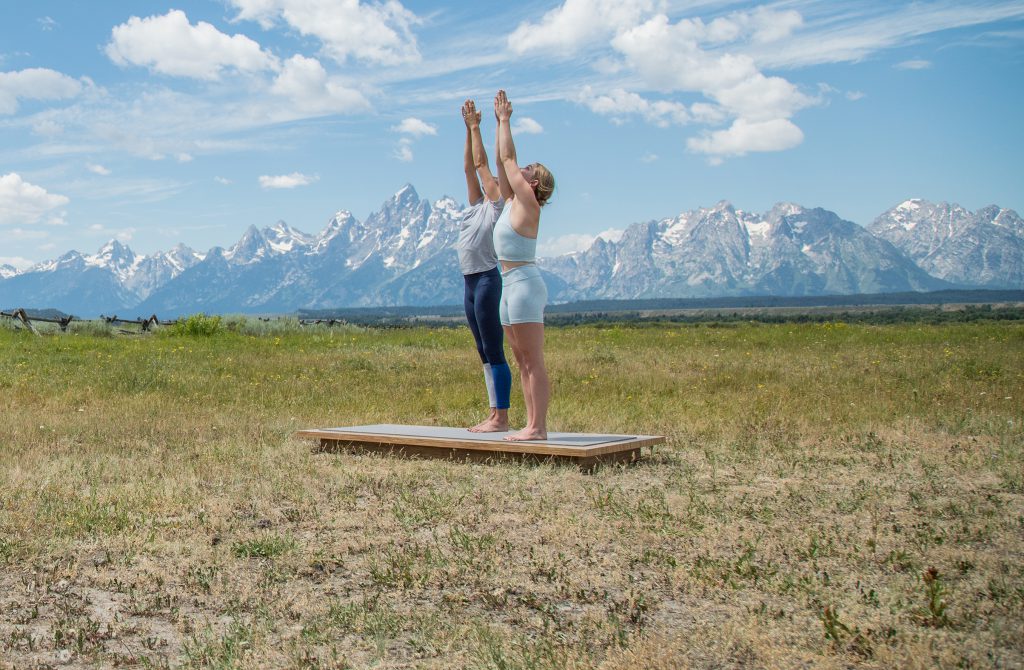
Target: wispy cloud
(35, 84)
(412, 128)
(287, 180)
(524, 125)
(571, 243)
(97, 169)
(16, 262)
(415, 127)
(403, 150)
(123, 235)
(913, 65)
(844, 32)
(620, 104)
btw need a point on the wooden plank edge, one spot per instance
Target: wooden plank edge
(586, 463)
(634, 442)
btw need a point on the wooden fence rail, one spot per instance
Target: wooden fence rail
(21, 316)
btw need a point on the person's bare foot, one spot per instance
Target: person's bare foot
(497, 422)
(528, 434)
(490, 425)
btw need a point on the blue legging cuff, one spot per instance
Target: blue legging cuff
(502, 384)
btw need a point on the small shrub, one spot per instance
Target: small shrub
(198, 325)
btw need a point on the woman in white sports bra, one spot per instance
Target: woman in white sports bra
(523, 291)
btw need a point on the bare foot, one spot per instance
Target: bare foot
(490, 425)
(528, 434)
(497, 422)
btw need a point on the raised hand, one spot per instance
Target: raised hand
(502, 107)
(469, 114)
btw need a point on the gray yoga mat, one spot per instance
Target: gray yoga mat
(444, 432)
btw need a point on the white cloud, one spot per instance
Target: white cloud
(745, 136)
(287, 180)
(761, 98)
(415, 127)
(763, 25)
(222, 180)
(577, 23)
(914, 65)
(677, 58)
(612, 234)
(46, 23)
(22, 203)
(170, 45)
(56, 219)
(378, 32)
(34, 84)
(573, 242)
(619, 104)
(184, 157)
(403, 151)
(16, 262)
(307, 86)
(854, 95)
(842, 32)
(524, 125)
(649, 157)
(97, 169)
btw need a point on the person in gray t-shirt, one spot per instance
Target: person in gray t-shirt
(479, 264)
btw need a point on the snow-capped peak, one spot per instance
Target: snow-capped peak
(252, 246)
(282, 238)
(7, 271)
(787, 209)
(70, 259)
(406, 191)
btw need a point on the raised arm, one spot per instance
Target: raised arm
(468, 165)
(503, 185)
(483, 169)
(521, 189)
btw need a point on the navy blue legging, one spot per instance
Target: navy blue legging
(483, 302)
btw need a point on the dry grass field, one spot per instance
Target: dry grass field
(829, 496)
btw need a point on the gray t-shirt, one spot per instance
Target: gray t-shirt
(476, 237)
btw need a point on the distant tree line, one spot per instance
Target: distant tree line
(934, 307)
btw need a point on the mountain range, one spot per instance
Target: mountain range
(403, 254)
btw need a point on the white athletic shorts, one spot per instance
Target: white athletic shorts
(523, 295)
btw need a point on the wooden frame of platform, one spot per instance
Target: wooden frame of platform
(583, 449)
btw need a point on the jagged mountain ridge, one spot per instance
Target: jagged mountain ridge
(722, 251)
(983, 248)
(403, 254)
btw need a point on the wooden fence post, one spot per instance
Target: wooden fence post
(23, 316)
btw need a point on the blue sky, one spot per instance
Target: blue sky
(158, 123)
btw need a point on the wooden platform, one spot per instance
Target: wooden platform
(583, 449)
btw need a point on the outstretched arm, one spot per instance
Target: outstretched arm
(503, 185)
(483, 169)
(521, 188)
(472, 183)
